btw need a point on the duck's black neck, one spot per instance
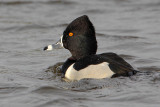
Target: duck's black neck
(85, 48)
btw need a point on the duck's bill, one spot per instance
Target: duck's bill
(57, 45)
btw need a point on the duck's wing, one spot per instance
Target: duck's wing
(115, 57)
(118, 65)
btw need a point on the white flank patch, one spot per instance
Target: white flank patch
(49, 47)
(92, 71)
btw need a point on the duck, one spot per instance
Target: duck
(79, 38)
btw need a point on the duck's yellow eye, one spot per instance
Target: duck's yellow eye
(70, 34)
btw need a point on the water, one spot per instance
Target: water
(129, 28)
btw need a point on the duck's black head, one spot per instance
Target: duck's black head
(79, 38)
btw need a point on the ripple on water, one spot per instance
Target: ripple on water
(9, 90)
(31, 26)
(15, 2)
(120, 37)
(48, 2)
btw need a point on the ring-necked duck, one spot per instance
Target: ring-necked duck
(80, 39)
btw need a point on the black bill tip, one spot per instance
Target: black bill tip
(45, 48)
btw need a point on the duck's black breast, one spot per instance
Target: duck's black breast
(66, 64)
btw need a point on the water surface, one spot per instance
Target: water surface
(127, 27)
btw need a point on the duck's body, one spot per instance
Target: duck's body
(79, 38)
(92, 66)
(104, 65)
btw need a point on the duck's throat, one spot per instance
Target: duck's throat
(76, 55)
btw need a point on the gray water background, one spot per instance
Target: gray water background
(130, 28)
